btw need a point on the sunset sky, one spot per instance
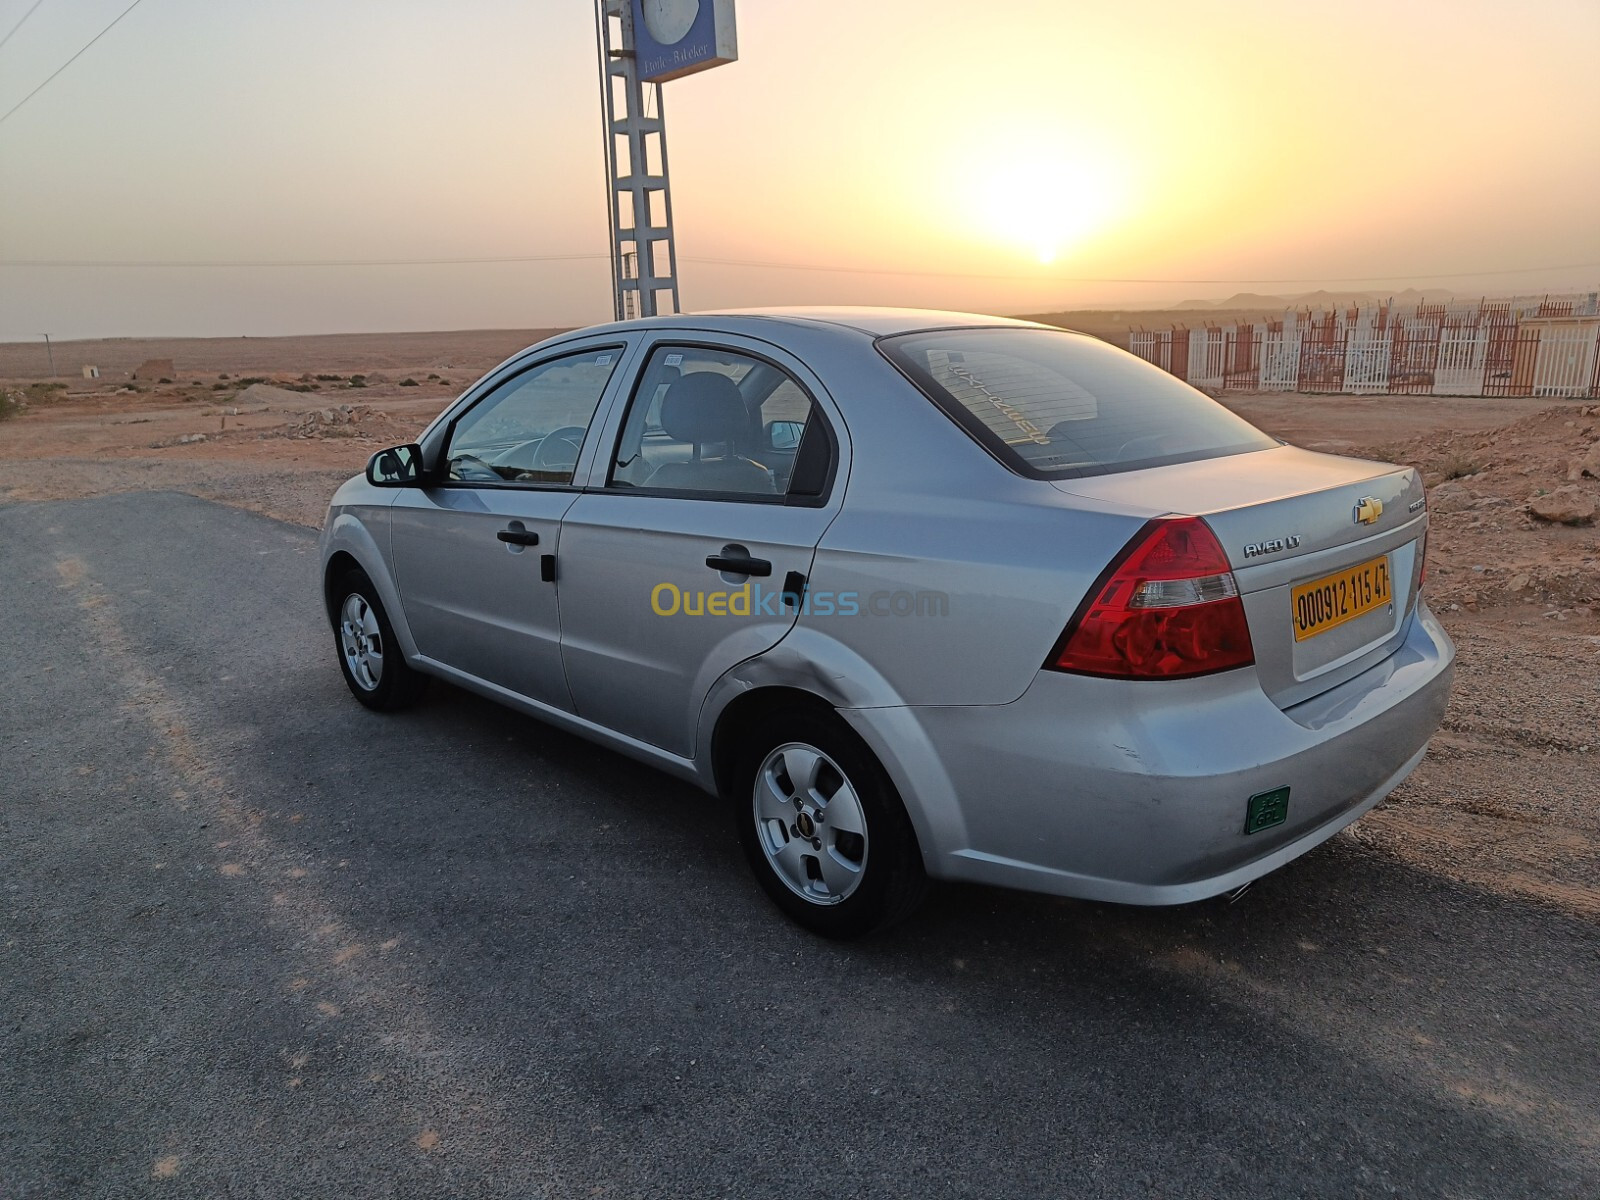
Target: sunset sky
(1005, 157)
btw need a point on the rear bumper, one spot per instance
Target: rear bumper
(1137, 792)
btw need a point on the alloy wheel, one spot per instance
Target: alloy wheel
(810, 823)
(361, 639)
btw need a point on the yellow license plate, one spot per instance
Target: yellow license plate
(1329, 602)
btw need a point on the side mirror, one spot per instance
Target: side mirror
(784, 435)
(398, 466)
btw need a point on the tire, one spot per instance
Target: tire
(369, 654)
(823, 828)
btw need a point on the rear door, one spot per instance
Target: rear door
(474, 553)
(715, 484)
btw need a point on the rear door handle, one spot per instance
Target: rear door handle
(736, 560)
(518, 537)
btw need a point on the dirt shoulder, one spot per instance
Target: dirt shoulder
(278, 445)
(1505, 800)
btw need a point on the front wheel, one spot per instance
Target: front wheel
(823, 827)
(369, 655)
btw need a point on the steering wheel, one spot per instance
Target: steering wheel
(471, 468)
(558, 451)
(1149, 446)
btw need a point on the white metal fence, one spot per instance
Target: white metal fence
(1526, 346)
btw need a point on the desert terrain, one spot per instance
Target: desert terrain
(1505, 800)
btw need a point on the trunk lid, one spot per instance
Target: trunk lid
(1289, 519)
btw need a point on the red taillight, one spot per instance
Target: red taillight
(1422, 571)
(1168, 607)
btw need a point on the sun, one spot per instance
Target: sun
(1045, 202)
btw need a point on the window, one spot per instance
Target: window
(1058, 405)
(720, 422)
(529, 428)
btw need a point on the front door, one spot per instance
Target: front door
(675, 564)
(474, 553)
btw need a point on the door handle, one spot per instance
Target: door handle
(736, 560)
(518, 537)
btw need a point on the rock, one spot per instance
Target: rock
(189, 438)
(1564, 506)
(267, 395)
(1450, 497)
(1589, 464)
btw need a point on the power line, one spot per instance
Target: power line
(300, 262)
(19, 24)
(753, 264)
(69, 61)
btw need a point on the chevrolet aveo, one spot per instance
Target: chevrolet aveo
(921, 595)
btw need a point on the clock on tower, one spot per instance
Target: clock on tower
(669, 21)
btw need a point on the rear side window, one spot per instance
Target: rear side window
(1057, 405)
(705, 421)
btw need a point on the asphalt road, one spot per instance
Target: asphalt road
(257, 941)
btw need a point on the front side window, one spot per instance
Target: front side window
(716, 422)
(1058, 405)
(530, 428)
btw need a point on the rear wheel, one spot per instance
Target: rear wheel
(369, 655)
(823, 827)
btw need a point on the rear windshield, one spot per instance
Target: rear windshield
(1056, 405)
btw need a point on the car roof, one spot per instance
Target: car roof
(873, 322)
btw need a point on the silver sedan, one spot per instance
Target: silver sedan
(921, 595)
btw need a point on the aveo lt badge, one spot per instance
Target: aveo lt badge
(1272, 545)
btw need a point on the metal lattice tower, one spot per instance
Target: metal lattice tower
(644, 258)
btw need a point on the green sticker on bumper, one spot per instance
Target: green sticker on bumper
(1266, 809)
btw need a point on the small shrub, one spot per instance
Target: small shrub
(244, 383)
(359, 381)
(331, 378)
(1458, 467)
(433, 378)
(10, 406)
(221, 376)
(163, 379)
(409, 383)
(300, 387)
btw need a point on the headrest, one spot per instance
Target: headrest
(704, 406)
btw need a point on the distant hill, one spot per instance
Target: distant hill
(1318, 299)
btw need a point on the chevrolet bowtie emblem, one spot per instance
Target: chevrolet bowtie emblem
(1368, 510)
